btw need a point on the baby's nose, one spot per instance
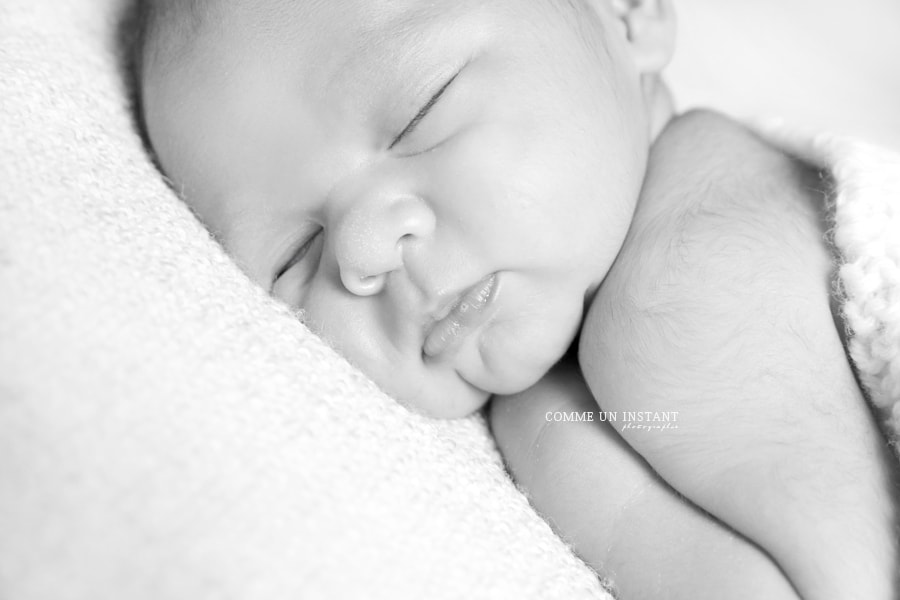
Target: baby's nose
(370, 238)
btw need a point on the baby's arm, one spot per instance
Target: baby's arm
(718, 308)
(602, 498)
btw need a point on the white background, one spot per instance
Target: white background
(822, 65)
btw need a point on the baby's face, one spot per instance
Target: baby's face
(440, 186)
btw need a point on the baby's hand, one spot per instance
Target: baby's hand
(718, 308)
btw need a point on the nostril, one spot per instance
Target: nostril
(362, 285)
(369, 283)
(413, 218)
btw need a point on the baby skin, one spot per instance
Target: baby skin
(449, 191)
(776, 482)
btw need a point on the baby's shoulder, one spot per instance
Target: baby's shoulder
(728, 237)
(720, 201)
(705, 165)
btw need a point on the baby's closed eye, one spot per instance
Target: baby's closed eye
(430, 126)
(299, 266)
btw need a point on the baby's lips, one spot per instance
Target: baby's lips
(465, 316)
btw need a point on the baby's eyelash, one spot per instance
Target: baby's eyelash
(299, 254)
(423, 112)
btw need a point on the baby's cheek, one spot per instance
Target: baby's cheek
(346, 330)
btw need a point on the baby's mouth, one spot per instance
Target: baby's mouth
(472, 309)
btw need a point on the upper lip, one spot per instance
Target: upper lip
(443, 306)
(447, 304)
(435, 301)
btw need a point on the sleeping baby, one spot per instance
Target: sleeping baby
(474, 200)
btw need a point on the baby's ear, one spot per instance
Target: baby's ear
(650, 29)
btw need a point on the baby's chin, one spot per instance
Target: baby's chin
(458, 393)
(495, 363)
(439, 402)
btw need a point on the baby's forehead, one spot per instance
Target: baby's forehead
(354, 25)
(317, 20)
(338, 44)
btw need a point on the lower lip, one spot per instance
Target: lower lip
(470, 313)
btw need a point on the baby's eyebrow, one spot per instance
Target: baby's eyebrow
(424, 111)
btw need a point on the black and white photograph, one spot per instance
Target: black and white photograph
(449, 299)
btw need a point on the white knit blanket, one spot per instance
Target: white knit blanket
(169, 431)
